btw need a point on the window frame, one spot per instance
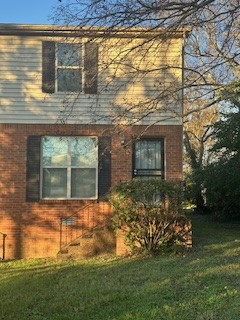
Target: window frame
(90, 62)
(79, 67)
(69, 167)
(146, 173)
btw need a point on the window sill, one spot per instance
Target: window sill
(67, 201)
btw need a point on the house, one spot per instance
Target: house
(80, 110)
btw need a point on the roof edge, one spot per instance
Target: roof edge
(89, 31)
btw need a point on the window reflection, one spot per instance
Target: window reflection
(69, 67)
(69, 167)
(148, 154)
(149, 161)
(69, 54)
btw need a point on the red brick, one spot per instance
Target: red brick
(33, 228)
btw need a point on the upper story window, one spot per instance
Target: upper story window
(69, 167)
(69, 67)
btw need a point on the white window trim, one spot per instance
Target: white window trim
(68, 172)
(80, 67)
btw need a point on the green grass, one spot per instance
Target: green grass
(204, 284)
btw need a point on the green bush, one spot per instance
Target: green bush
(221, 178)
(149, 211)
(221, 181)
(193, 193)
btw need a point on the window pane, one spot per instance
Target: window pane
(144, 155)
(69, 80)
(54, 183)
(137, 155)
(84, 152)
(83, 183)
(69, 54)
(55, 151)
(148, 154)
(158, 155)
(152, 155)
(64, 155)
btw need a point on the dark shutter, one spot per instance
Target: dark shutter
(48, 66)
(91, 67)
(104, 175)
(33, 168)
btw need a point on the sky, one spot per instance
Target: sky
(26, 11)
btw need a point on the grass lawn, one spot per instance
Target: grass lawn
(203, 284)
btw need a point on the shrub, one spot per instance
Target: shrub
(149, 211)
(221, 177)
(221, 181)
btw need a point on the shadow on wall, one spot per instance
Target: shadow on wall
(20, 97)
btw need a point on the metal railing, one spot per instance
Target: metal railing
(3, 244)
(82, 223)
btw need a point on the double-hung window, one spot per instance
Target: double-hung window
(69, 67)
(69, 167)
(149, 158)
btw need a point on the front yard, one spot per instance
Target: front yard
(203, 284)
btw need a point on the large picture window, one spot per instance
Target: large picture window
(69, 167)
(148, 158)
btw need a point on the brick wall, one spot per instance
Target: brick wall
(32, 228)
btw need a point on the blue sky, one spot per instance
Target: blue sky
(26, 11)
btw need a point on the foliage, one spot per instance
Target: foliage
(204, 284)
(227, 135)
(148, 211)
(193, 190)
(221, 178)
(211, 51)
(198, 140)
(198, 137)
(221, 181)
(211, 61)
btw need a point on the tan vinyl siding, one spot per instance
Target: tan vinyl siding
(22, 99)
